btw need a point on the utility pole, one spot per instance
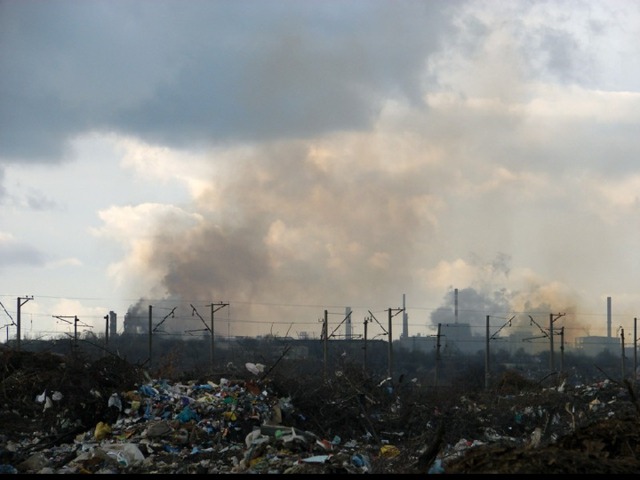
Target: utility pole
(75, 328)
(214, 308)
(75, 333)
(150, 337)
(487, 369)
(153, 329)
(325, 343)
(551, 320)
(486, 356)
(551, 362)
(20, 303)
(372, 316)
(635, 349)
(364, 347)
(436, 373)
(623, 357)
(391, 315)
(6, 326)
(562, 349)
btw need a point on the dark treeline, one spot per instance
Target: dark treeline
(175, 357)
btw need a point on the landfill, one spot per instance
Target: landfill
(63, 415)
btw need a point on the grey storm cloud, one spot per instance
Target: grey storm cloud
(188, 73)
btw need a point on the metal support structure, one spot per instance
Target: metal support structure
(487, 367)
(364, 347)
(210, 328)
(562, 349)
(150, 337)
(436, 372)
(214, 308)
(486, 357)
(552, 318)
(20, 303)
(551, 360)
(622, 365)
(325, 336)
(153, 330)
(391, 314)
(325, 343)
(75, 322)
(635, 349)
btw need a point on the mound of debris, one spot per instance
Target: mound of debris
(65, 415)
(608, 446)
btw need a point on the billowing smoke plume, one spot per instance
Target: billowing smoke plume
(527, 311)
(472, 308)
(290, 227)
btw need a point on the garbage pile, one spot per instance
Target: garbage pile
(61, 416)
(161, 427)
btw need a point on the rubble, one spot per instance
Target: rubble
(63, 415)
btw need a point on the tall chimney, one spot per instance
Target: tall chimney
(113, 323)
(455, 303)
(609, 317)
(405, 319)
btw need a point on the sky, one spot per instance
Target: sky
(270, 161)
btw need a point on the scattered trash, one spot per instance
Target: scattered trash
(114, 401)
(344, 425)
(255, 368)
(389, 451)
(102, 431)
(126, 454)
(316, 459)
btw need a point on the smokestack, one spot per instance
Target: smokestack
(347, 327)
(405, 319)
(455, 303)
(609, 317)
(113, 324)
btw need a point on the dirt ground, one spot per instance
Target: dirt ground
(52, 407)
